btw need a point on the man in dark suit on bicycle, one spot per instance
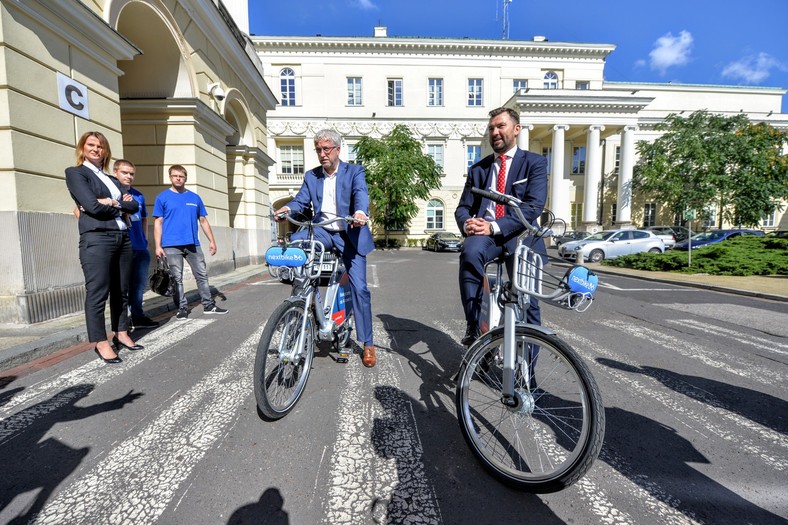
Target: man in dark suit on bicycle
(491, 229)
(338, 189)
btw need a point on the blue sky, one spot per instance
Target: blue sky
(686, 41)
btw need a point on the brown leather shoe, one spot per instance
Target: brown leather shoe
(369, 356)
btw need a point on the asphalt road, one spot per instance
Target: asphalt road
(694, 384)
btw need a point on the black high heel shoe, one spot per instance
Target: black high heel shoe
(119, 344)
(111, 361)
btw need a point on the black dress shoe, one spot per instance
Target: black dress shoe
(144, 322)
(472, 333)
(118, 344)
(111, 361)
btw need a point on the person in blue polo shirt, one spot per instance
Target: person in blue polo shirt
(124, 171)
(177, 212)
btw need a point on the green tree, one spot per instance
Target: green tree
(707, 159)
(398, 174)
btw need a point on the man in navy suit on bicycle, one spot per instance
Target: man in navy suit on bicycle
(491, 229)
(338, 189)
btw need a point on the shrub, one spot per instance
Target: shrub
(740, 256)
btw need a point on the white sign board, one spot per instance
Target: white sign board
(73, 96)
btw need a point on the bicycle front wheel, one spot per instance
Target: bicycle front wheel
(549, 435)
(281, 370)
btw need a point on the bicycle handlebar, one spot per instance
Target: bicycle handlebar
(322, 224)
(514, 202)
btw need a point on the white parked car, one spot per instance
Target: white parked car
(610, 244)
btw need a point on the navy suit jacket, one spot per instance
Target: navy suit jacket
(352, 195)
(525, 166)
(86, 188)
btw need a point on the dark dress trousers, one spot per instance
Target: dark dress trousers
(104, 251)
(478, 250)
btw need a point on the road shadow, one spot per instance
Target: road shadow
(8, 395)
(268, 510)
(656, 458)
(36, 464)
(464, 492)
(764, 409)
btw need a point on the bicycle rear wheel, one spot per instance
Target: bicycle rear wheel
(553, 434)
(280, 374)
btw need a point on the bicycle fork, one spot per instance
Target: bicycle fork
(509, 396)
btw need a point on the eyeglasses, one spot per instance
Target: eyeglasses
(325, 150)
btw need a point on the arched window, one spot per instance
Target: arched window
(435, 215)
(287, 83)
(551, 80)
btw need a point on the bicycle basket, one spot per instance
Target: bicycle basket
(573, 291)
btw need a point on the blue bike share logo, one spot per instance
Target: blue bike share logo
(293, 257)
(580, 279)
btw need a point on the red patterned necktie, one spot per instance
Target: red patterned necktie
(501, 187)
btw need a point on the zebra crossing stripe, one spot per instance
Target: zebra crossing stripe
(64, 389)
(162, 455)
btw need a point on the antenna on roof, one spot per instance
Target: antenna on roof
(505, 30)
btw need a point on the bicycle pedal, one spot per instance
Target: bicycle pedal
(343, 357)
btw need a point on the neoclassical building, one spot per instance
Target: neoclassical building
(168, 82)
(443, 88)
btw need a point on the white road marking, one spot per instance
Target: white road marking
(79, 382)
(762, 319)
(758, 342)
(148, 469)
(375, 281)
(703, 400)
(382, 478)
(614, 287)
(709, 357)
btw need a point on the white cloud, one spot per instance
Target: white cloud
(671, 51)
(753, 69)
(365, 4)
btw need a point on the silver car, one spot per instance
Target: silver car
(610, 244)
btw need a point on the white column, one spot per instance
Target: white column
(559, 196)
(524, 138)
(592, 176)
(624, 199)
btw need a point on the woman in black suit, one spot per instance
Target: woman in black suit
(104, 246)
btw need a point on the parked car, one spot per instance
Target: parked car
(443, 242)
(780, 234)
(610, 244)
(570, 236)
(670, 234)
(713, 237)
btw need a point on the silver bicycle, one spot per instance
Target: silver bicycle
(527, 405)
(287, 345)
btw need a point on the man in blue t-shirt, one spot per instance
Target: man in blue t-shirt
(124, 171)
(177, 212)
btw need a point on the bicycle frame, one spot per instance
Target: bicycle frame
(333, 312)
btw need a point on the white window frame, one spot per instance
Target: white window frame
(473, 154)
(475, 92)
(518, 84)
(355, 91)
(291, 159)
(394, 97)
(550, 80)
(435, 213)
(435, 92)
(437, 152)
(287, 86)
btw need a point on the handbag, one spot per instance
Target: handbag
(160, 280)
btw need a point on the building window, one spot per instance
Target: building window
(613, 213)
(518, 84)
(350, 150)
(618, 160)
(579, 160)
(709, 217)
(435, 92)
(768, 221)
(650, 214)
(582, 84)
(434, 215)
(472, 156)
(354, 93)
(548, 154)
(551, 80)
(291, 159)
(287, 86)
(576, 214)
(475, 91)
(436, 152)
(395, 92)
